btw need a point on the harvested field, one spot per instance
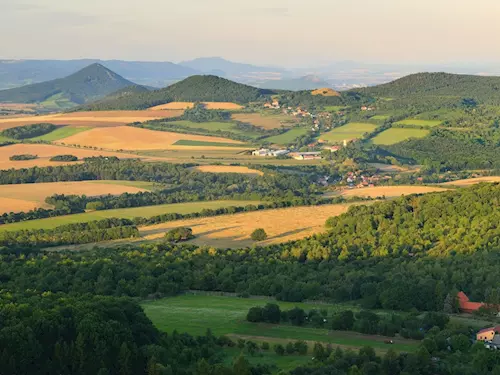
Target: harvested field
(265, 121)
(45, 152)
(18, 106)
(325, 92)
(33, 195)
(390, 191)
(233, 231)
(227, 169)
(131, 138)
(472, 181)
(94, 119)
(208, 105)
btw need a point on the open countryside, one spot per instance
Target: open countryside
(395, 135)
(265, 121)
(347, 132)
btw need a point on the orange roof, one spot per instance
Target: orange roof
(496, 329)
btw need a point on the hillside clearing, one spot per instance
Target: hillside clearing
(287, 137)
(417, 122)
(208, 105)
(265, 121)
(325, 92)
(472, 181)
(126, 213)
(227, 169)
(36, 193)
(353, 130)
(395, 135)
(45, 152)
(233, 231)
(390, 191)
(131, 138)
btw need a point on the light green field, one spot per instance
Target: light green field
(269, 358)
(187, 142)
(6, 139)
(417, 122)
(126, 213)
(348, 132)
(138, 184)
(227, 316)
(287, 137)
(380, 117)
(214, 126)
(333, 108)
(60, 133)
(57, 101)
(396, 135)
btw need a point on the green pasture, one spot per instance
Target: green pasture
(57, 101)
(269, 357)
(396, 135)
(333, 108)
(187, 142)
(287, 137)
(126, 213)
(227, 316)
(214, 127)
(380, 117)
(418, 122)
(348, 132)
(60, 133)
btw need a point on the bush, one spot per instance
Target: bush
(94, 206)
(279, 349)
(255, 314)
(179, 234)
(23, 157)
(28, 131)
(259, 235)
(64, 158)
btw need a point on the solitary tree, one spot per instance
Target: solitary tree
(259, 234)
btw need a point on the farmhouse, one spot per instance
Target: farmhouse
(306, 155)
(268, 152)
(466, 305)
(332, 148)
(488, 334)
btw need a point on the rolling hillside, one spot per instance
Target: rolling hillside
(207, 88)
(482, 89)
(90, 83)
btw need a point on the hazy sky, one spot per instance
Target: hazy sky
(285, 32)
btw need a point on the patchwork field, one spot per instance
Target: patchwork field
(227, 316)
(347, 132)
(60, 133)
(127, 213)
(131, 138)
(379, 117)
(214, 127)
(208, 105)
(325, 92)
(396, 135)
(34, 194)
(287, 137)
(472, 181)
(417, 122)
(94, 119)
(390, 191)
(265, 121)
(233, 231)
(228, 169)
(45, 152)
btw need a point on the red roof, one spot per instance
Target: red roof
(466, 305)
(496, 329)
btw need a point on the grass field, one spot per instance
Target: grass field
(203, 144)
(265, 121)
(472, 181)
(227, 169)
(214, 127)
(45, 152)
(208, 105)
(287, 137)
(35, 194)
(233, 231)
(127, 213)
(390, 191)
(379, 117)
(226, 316)
(61, 132)
(396, 135)
(417, 122)
(333, 108)
(131, 138)
(347, 132)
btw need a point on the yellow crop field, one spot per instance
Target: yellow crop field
(233, 231)
(472, 181)
(325, 92)
(187, 105)
(265, 121)
(45, 152)
(390, 191)
(131, 138)
(94, 119)
(25, 197)
(227, 169)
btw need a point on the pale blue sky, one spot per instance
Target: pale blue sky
(285, 32)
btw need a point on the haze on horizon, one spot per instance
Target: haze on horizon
(289, 33)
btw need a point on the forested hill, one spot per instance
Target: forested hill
(91, 83)
(482, 89)
(196, 88)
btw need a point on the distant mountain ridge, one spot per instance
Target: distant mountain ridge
(309, 82)
(203, 88)
(91, 83)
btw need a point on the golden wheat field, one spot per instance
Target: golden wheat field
(390, 191)
(325, 92)
(131, 138)
(94, 119)
(265, 121)
(233, 231)
(187, 105)
(472, 181)
(45, 152)
(227, 169)
(24, 197)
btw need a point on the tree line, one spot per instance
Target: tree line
(29, 131)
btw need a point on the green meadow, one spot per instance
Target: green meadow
(287, 137)
(348, 132)
(396, 135)
(60, 133)
(214, 127)
(417, 122)
(187, 142)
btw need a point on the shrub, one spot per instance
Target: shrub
(179, 234)
(259, 235)
(94, 206)
(23, 157)
(64, 158)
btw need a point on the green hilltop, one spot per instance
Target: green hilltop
(91, 83)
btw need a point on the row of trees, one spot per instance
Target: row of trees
(29, 131)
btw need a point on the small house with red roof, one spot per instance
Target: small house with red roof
(488, 334)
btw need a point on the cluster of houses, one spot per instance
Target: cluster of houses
(491, 335)
(367, 108)
(356, 180)
(296, 155)
(269, 152)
